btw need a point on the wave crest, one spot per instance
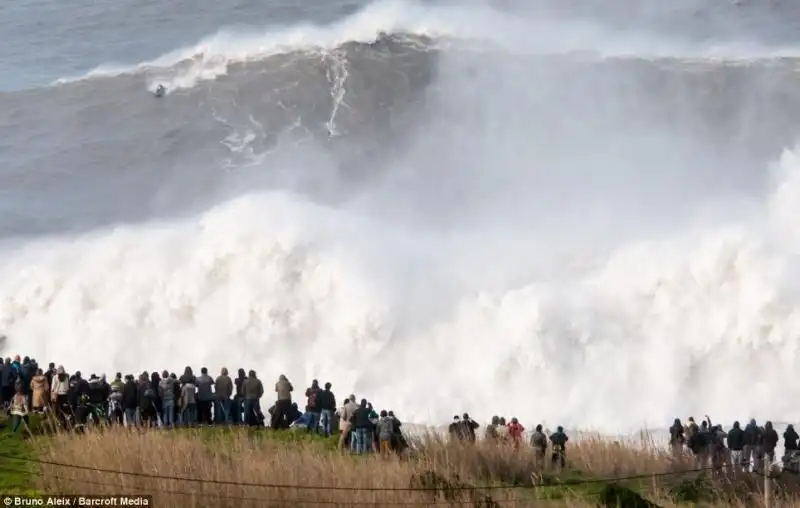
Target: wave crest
(482, 25)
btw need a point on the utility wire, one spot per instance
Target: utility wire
(569, 482)
(150, 490)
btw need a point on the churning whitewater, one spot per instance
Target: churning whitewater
(443, 208)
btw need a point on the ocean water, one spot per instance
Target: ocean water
(582, 213)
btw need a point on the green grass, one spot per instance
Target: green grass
(17, 477)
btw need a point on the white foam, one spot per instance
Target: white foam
(210, 57)
(701, 323)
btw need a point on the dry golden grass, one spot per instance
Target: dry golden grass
(238, 456)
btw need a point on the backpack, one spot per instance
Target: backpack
(312, 399)
(388, 425)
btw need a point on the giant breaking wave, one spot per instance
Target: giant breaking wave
(449, 216)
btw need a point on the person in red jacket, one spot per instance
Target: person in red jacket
(515, 431)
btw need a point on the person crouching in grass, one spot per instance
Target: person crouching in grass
(19, 408)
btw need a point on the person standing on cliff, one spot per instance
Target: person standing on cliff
(312, 406)
(515, 431)
(280, 415)
(205, 397)
(345, 415)
(237, 407)
(166, 390)
(326, 401)
(223, 389)
(539, 444)
(559, 440)
(41, 391)
(677, 438)
(252, 390)
(130, 401)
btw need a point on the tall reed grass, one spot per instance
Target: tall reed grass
(287, 461)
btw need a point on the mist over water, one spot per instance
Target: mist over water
(443, 208)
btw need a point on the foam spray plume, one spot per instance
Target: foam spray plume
(443, 227)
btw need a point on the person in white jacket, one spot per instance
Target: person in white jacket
(59, 391)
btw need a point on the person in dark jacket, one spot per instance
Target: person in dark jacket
(698, 444)
(34, 366)
(7, 380)
(736, 446)
(559, 440)
(51, 372)
(155, 380)
(790, 439)
(237, 409)
(4, 400)
(312, 406)
(147, 403)
(105, 389)
(223, 390)
(97, 394)
(361, 441)
(130, 401)
(293, 414)
(676, 437)
(752, 445)
(454, 429)
(468, 428)
(399, 443)
(79, 389)
(252, 390)
(789, 459)
(188, 376)
(176, 415)
(25, 374)
(205, 397)
(15, 366)
(770, 441)
(326, 401)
